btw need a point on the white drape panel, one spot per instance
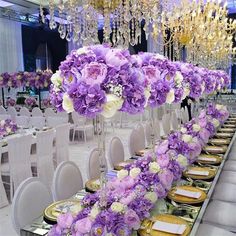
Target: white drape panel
(11, 53)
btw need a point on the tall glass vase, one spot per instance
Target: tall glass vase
(151, 119)
(102, 160)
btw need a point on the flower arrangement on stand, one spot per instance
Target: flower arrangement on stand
(7, 127)
(10, 102)
(30, 102)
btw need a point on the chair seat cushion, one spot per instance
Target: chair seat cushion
(221, 214)
(210, 230)
(230, 165)
(228, 177)
(5, 169)
(225, 192)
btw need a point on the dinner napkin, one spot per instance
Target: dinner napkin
(207, 159)
(187, 193)
(111, 174)
(40, 231)
(168, 227)
(123, 164)
(198, 172)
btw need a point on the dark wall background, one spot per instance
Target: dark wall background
(32, 37)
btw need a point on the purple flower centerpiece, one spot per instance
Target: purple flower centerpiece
(7, 127)
(30, 101)
(99, 80)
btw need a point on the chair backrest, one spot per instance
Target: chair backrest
(62, 143)
(19, 158)
(29, 202)
(54, 121)
(49, 112)
(45, 167)
(37, 112)
(12, 112)
(135, 142)
(116, 151)
(148, 133)
(67, 181)
(4, 117)
(37, 122)
(166, 119)
(3, 111)
(24, 112)
(94, 164)
(3, 195)
(23, 121)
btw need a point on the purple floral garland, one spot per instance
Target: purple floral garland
(133, 193)
(100, 80)
(7, 127)
(38, 79)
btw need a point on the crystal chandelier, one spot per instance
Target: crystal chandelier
(121, 20)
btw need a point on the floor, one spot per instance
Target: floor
(79, 153)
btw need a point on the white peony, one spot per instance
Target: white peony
(170, 96)
(147, 95)
(112, 105)
(83, 50)
(94, 211)
(219, 107)
(203, 86)
(134, 172)
(57, 79)
(178, 77)
(196, 127)
(216, 123)
(117, 207)
(67, 103)
(154, 167)
(2, 122)
(75, 209)
(183, 161)
(186, 92)
(151, 196)
(183, 130)
(122, 174)
(187, 138)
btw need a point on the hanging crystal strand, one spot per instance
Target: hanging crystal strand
(102, 160)
(52, 23)
(41, 12)
(127, 18)
(106, 28)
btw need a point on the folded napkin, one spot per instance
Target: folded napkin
(123, 164)
(198, 172)
(111, 174)
(187, 193)
(40, 231)
(168, 227)
(207, 159)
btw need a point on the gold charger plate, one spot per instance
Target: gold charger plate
(211, 174)
(219, 141)
(216, 159)
(186, 200)
(224, 135)
(57, 208)
(227, 130)
(142, 152)
(92, 185)
(168, 219)
(122, 164)
(215, 149)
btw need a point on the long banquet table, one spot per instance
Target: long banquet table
(40, 227)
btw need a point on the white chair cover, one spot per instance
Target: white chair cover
(37, 122)
(5, 117)
(25, 112)
(221, 214)
(3, 196)
(30, 200)
(19, 159)
(135, 142)
(23, 121)
(37, 112)
(67, 181)
(141, 131)
(116, 152)
(45, 167)
(49, 112)
(210, 230)
(94, 164)
(62, 143)
(3, 111)
(225, 192)
(54, 121)
(12, 112)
